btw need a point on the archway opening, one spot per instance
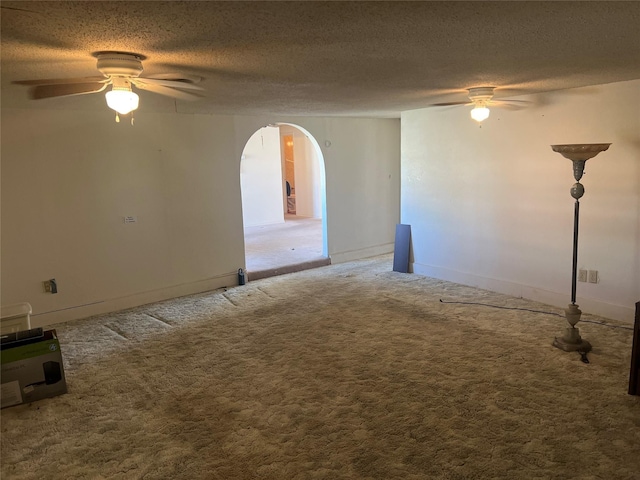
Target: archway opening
(282, 178)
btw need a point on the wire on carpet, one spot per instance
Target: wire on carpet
(535, 311)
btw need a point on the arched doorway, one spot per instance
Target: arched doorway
(282, 178)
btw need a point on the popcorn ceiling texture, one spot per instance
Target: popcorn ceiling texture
(326, 58)
(349, 371)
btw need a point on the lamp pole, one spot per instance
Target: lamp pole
(578, 154)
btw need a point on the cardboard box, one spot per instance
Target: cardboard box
(31, 367)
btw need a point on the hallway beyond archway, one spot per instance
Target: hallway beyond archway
(284, 205)
(284, 248)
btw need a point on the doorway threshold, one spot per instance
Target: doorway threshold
(296, 267)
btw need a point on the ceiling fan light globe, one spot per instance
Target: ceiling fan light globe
(122, 101)
(480, 113)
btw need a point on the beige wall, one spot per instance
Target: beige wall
(490, 206)
(70, 177)
(261, 179)
(362, 177)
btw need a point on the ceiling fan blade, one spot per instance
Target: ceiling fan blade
(47, 91)
(449, 104)
(178, 77)
(168, 91)
(514, 102)
(510, 104)
(166, 83)
(61, 81)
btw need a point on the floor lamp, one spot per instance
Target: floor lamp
(578, 154)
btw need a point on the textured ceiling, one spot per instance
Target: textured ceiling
(325, 58)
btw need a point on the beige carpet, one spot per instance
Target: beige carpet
(270, 247)
(349, 371)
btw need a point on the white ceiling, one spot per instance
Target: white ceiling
(325, 58)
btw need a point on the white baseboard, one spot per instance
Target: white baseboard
(557, 299)
(351, 255)
(115, 304)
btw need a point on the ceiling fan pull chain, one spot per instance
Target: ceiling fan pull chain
(117, 118)
(131, 118)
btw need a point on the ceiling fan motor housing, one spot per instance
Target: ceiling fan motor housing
(115, 64)
(481, 95)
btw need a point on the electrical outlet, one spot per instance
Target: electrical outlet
(50, 286)
(593, 276)
(582, 275)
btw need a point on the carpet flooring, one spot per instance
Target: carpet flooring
(349, 371)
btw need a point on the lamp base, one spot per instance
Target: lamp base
(572, 342)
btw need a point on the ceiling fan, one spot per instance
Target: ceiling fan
(121, 71)
(481, 99)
